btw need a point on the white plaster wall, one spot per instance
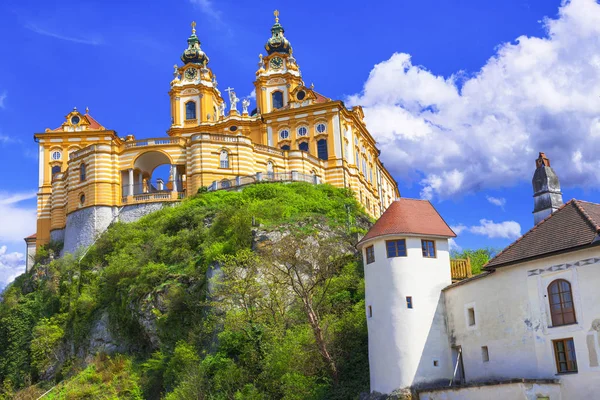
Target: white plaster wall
(514, 322)
(514, 391)
(502, 312)
(403, 342)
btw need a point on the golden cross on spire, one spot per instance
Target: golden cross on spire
(194, 27)
(276, 14)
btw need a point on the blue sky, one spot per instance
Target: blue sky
(461, 95)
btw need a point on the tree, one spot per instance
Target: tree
(478, 257)
(306, 263)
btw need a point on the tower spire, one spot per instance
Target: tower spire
(193, 27)
(276, 14)
(547, 196)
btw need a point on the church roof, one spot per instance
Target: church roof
(412, 217)
(575, 225)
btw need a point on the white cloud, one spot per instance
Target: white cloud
(11, 266)
(252, 95)
(458, 229)
(497, 201)
(208, 8)
(453, 246)
(505, 230)
(17, 221)
(95, 41)
(462, 133)
(2, 99)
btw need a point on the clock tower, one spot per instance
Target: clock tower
(278, 74)
(195, 99)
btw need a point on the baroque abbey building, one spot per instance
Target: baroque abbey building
(90, 177)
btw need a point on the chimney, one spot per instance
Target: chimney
(547, 196)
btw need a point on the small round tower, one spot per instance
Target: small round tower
(407, 264)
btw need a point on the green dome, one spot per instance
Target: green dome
(194, 54)
(277, 43)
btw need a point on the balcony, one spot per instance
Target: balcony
(149, 192)
(460, 269)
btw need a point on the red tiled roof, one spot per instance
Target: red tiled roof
(93, 123)
(575, 224)
(31, 236)
(320, 98)
(410, 216)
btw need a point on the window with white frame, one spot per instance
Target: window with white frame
(284, 134)
(56, 155)
(302, 131)
(321, 128)
(224, 159)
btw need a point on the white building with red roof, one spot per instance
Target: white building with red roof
(528, 327)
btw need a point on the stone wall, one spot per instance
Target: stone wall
(83, 226)
(133, 212)
(524, 390)
(57, 235)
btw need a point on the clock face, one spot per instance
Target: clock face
(276, 62)
(190, 73)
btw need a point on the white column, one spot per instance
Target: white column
(130, 191)
(174, 177)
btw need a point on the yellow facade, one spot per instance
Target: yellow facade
(294, 133)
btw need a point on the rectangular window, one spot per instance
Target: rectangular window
(471, 314)
(396, 248)
(370, 254)
(428, 247)
(485, 354)
(564, 353)
(370, 311)
(409, 303)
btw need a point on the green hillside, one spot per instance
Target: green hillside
(255, 294)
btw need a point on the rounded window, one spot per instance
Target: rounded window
(75, 120)
(233, 128)
(56, 155)
(301, 95)
(284, 134)
(321, 128)
(82, 199)
(302, 131)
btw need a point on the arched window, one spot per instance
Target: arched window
(270, 170)
(190, 110)
(277, 99)
(302, 131)
(285, 147)
(224, 159)
(357, 160)
(322, 149)
(562, 307)
(55, 170)
(321, 128)
(303, 146)
(82, 172)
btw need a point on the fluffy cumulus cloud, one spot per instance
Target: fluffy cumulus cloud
(18, 221)
(504, 230)
(491, 229)
(460, 134)
(11, 266)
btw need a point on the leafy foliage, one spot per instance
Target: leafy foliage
(478, 257)
(200, 305)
